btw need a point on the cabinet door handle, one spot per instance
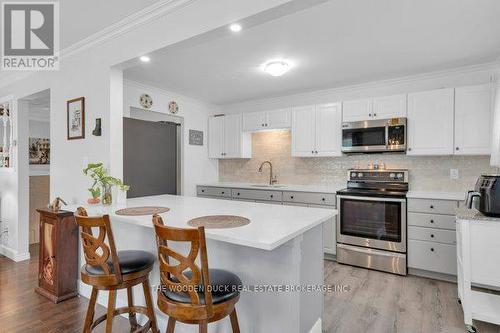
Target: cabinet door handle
(369, 114)
(315, 151)
(457, 148)
(432, 249)
(432, 206)
(374, 114)
(238, 193)
(322, 199)
(291, 197)
(222, 192)
(262, 125)
(202, 191)
(409, 149)
(432, 235)
(432, 221)
(312, 151)
(271, 196)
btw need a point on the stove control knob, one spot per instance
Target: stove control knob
(353, 174)
(400, 175)
(360, 174)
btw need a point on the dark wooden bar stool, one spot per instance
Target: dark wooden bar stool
(191, 294)
(107, 269)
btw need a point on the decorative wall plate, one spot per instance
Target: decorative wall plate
(173, 107)
(146, 101)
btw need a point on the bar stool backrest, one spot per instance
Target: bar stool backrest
(97, 251)
(172, 275)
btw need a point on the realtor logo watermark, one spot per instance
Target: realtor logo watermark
(30, 36)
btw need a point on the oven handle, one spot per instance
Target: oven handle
(371, 198)
(370, 251)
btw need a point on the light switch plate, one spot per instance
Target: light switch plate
(454, 174)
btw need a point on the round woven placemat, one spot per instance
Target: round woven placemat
(145, 210)
(219, 221)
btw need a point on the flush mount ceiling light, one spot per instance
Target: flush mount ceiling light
(276, 67)
(145, 59)
(235, 27)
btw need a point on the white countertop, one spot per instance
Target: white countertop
(270, 225)
(459, 196)
(278, 187)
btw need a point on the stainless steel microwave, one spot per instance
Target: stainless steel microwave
(371, 136)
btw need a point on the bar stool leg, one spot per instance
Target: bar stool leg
(131, 315)
(111, 310)
(234, 321)
(89, 318)
(203, 327)
(150, 306)
(171, 325)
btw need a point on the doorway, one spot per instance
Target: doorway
(38, 106)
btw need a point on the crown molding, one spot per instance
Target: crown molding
(139, 18)
(128, 23)
(485, 67)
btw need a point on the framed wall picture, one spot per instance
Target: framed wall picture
(76, 118)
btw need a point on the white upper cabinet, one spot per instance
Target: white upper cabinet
(473, 113)
(374, 108)
(328, 130)
(316, 130)
(303, 130)
(265, 120)
(278, 119)
(254, 121)
(357, 110)
(389, 107)
(226, 139)
(215, 137)
(430, 122)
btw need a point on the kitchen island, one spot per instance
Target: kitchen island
(281, 248)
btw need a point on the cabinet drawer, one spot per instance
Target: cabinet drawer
(214, 191)
(432, 235)
(432, 206)
(257, 195)
(327, 199)
(432, 221)
(434, 257)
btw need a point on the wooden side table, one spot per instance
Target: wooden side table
(58, 256)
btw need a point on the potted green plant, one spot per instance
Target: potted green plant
(102, 180)
(95, 191)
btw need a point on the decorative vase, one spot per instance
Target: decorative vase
(107, 196)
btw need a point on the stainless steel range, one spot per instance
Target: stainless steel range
(371, 224)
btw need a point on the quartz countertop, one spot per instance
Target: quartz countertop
(277, 187)
(270, 225)
(474, 214)
(459, 196)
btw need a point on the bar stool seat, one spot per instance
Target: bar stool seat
(130, 261)
(223, 284)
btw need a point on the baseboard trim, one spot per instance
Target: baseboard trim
(318, 327)
(330, 256)
(432, 275)
(13, 254)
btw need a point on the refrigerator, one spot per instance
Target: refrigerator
(151, 161)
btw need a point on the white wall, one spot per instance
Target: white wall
(495, 143)
(196, 166)
(86, 71)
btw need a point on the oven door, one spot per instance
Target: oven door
(372, 222)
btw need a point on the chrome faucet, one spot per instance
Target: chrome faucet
(272, 179)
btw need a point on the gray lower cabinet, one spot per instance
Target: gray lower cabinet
(277, 197)
(431, 235)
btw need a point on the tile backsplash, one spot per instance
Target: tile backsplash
(427, 173)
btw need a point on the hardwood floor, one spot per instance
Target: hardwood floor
(375, 302)
(383, 303)
(22, 310)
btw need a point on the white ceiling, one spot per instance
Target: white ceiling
(82, 18)
(333, 44)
